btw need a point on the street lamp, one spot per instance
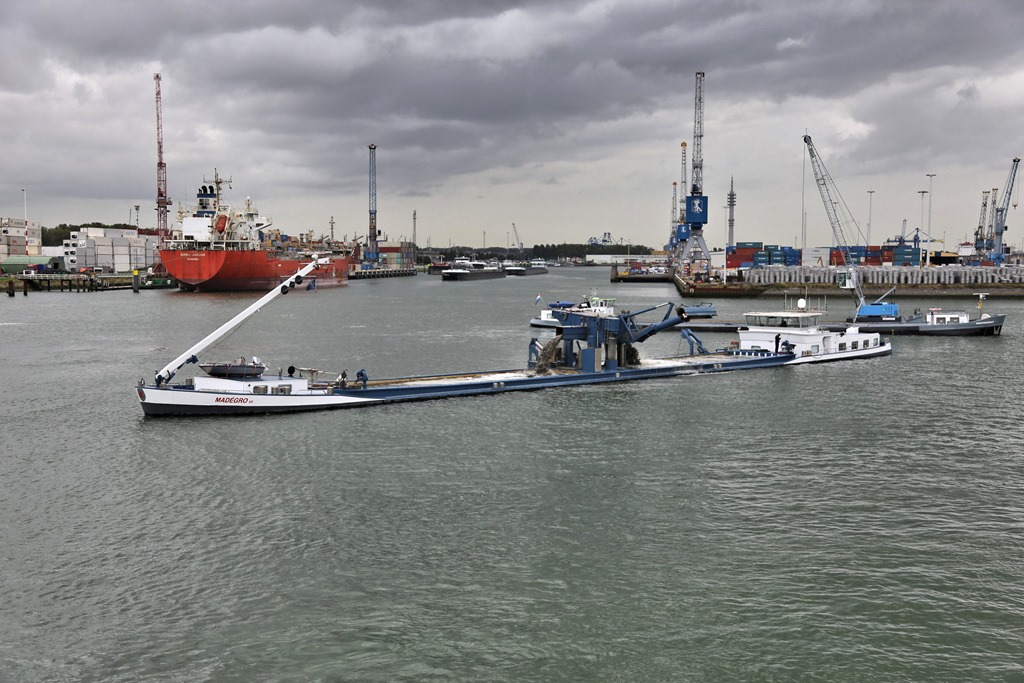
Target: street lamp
(927, 258)
(922, 193)
(870, 198)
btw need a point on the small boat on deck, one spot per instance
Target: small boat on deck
(592, 303)
(606, 306)
(589, 348)
(238, 369)
(799, 331)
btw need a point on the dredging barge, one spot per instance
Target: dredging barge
(590, 349)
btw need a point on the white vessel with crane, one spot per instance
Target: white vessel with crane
(881, 315)
(589, 349)
(537, 266)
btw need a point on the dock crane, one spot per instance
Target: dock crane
(979, 233)
(834, 204)
(999, 224)
(162, 200)
(518, 242)
(371, 241)
(697, 203)
(679, 231)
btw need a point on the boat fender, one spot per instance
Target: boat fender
(284, 289)
(222, 222)
(298, 279)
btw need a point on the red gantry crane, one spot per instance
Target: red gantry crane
(162, 200)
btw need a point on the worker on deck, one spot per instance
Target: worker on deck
(361, 377)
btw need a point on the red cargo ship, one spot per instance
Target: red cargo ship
(218, 249)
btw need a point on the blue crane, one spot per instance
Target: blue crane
(999, 227)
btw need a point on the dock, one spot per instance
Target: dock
(374, 273)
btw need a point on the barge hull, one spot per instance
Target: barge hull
(186, 400)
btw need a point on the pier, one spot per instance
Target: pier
(374, 273)
(1001, 281)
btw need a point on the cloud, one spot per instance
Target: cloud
(569, 114)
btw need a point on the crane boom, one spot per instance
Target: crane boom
(674, 215)
(190, 356)
(371, 240)
(162, 200)
(697, 184)
(1000, 217)
(696, 214)
(833, 202)
(518, 243)
(979, 233)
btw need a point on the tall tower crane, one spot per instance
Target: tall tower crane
(680, 231)
(682, 184)
(979, 233)
(834, 206)
(697, 204)
(519, 243)
(162, 200)
(371, 245)
(999, 225)
(674, 215)
(697, 186)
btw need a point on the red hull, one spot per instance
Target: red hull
(215, 270)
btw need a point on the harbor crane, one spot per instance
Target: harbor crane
(371, 241)
(834, 206)
(519, 244)
(1001, 208)
(162, 200)
(696, 214)
(979, 232)
(678, 231)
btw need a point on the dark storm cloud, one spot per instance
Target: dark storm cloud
(452, 89)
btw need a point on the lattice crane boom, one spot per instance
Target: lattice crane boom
(696, 213)
(979, 233)
(1000, 214)
(697, 184)
(162, 200)
(833, 202)
(682, 184)
(371, 241)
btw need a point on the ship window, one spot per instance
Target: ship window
(842, 346)
(815, 348)
(853, 346)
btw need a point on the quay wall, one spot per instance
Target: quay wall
(872, 278)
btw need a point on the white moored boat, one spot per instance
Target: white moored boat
(799, 330)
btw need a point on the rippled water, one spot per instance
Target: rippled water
(854, 521)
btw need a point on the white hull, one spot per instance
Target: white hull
(222, 396)
(799, 331)
(883, 349)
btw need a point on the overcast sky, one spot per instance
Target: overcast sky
(564, 118)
